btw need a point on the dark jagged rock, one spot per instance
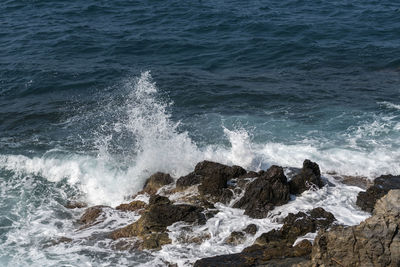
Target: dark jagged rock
(275, 248)
(135, 205)
(374, 242)
(366, 200)
(160, 214)
(251, 229)
(296, 225)
(212, 179)
(91, 216)
(308, 177)
(269, 190)
(156, 181)
(188, 180)
(261, 256)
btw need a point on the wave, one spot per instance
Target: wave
(158, 145)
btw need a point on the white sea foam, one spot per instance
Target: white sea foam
(159, 146)
(390, 105)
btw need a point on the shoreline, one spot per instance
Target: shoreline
(179, 211)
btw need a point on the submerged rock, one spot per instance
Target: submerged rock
(309, 176)
(156, 181)
(366, 200)
(251, 229)
(269, 190)
(375, 242)
(160, 214)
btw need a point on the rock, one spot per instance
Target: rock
(213, 179)
(261, 256)
(359, 181)
(366, 200)
(309, 176)
(251, 229)
(188, 180)
(160, 214)
(374, 242)
(132, 206)
(296, 225)
(76, 205)
(91, 216)
(156, 181)
(235, 238)
(269, 190)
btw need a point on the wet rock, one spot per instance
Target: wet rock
(309, 176)
(296, 225)
(160, 214)
(213, 179)
(91, 216)
(374, 242)
(359, 181)
(366, 200)
(156, 181)
(188, 180)
(261, 256)
(132, 206)
(251, 229)
(269, 190)
(250, 174)
(235, 238)
(75, 205)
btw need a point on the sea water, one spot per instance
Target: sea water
(95, 96)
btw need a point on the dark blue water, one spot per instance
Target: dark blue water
(252, 83)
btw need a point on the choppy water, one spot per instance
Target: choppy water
(97, 95)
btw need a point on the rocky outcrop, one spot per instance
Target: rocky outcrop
(156, 181)
(261, 256)
(374, 242)
(366, 200)
(309, 176)
(152, 226)
(212, 179)
(275, 248)
(296, 225)
(265, 192)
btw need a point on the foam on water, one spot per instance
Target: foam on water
(158, 145)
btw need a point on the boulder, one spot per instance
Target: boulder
(269, 190)
(152, 225)
(309, 176)
(366, 200)
(156, 181)
(374, 242)
(213, 179)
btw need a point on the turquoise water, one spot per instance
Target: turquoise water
(97, 95)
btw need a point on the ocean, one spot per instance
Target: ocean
(95, 96)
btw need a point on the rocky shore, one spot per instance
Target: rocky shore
(311, 238)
